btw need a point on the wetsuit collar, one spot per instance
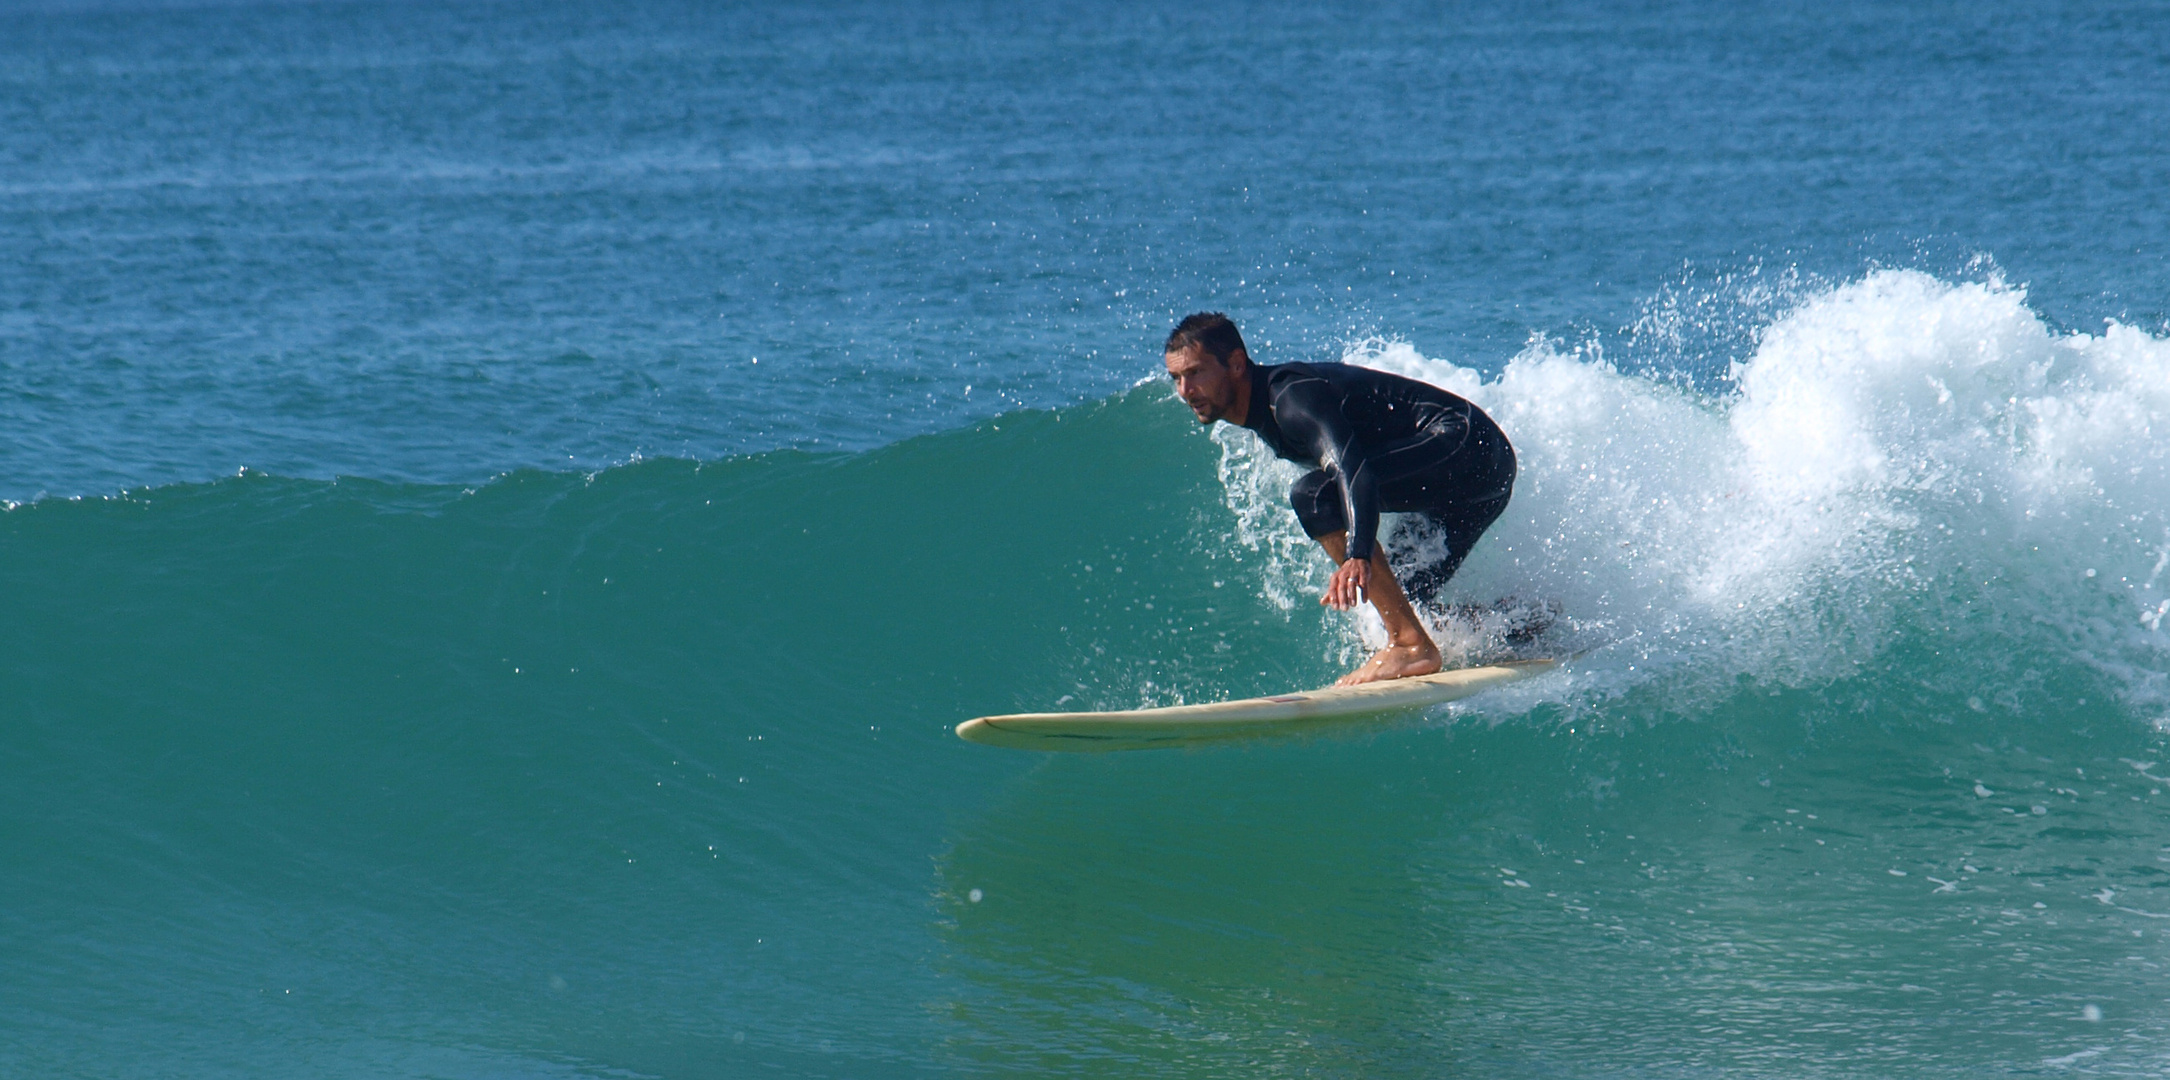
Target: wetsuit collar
(1259, 418)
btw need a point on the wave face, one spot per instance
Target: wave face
(648, 771)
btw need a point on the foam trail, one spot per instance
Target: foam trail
(1898, 454)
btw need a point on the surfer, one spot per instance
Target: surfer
(1375, 442)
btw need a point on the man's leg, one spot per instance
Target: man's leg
(1409, 650)
(1458, 528)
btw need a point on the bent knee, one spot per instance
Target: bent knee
(1316, 498)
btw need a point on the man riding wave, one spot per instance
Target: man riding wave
(1375, 442)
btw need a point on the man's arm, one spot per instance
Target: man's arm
(1309, 411)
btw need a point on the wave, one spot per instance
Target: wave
(1898, 459)
(1899, 462)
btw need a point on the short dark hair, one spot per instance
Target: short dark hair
(1209, 330)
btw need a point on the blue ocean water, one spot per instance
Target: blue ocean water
(505, 503)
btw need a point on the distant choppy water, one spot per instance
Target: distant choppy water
(507, 501)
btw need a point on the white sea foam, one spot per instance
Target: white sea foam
(1899, 454)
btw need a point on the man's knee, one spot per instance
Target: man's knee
(1317, 501)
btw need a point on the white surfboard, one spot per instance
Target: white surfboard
(1286, 714)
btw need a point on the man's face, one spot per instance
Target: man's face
(1207, 385)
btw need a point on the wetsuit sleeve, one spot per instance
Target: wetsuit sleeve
(1310, 414)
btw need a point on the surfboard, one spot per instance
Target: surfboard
(1285, 714)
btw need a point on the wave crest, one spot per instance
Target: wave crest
(1899, 457)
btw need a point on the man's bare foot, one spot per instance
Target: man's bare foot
(1395, 662)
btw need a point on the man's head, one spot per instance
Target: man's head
(1211, 369)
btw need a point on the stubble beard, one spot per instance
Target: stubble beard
(1214, 410)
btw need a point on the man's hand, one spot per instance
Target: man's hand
(1347, 586)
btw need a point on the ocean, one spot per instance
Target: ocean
(505, 503)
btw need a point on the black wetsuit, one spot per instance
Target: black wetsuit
(1378, 441)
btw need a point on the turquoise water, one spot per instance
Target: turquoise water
(435, 646)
